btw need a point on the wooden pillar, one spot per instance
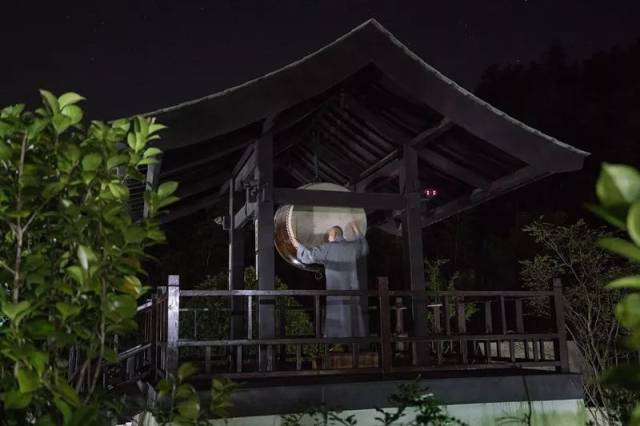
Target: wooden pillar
(412, 239)
(173, 321)
(236, 267)
(264, 241)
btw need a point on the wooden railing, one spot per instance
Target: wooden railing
(467, 330)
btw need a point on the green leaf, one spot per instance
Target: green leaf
(5, 151)
(14, 311)
(69, 98)
(134, 234)
(66, 392)
(131, 285)
(618, 184)
(39, 361)
(155, 127)
(73, 112)
(633, 222)
(616, 216)
(151, 152)
(91, 162)
(52, 189)
(46, 420)
(156, 235)
(110, 356)
(190, 408)
(131, 141)
(35, 128)
(119, 190)
(120, 307)
(85, 256)
(621, 247)
(39, 328)
(67, 310)
(64, 409)
(28, 380)
(16, 400)
(167, 188)
(167, 201)
(61, 123)
(186, 370)
(117, 160)
(164, 385)
(75, 272)
(628, 311)
(632, 282)
(50, 100)
(185, 391)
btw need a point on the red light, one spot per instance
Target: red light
(430, 192)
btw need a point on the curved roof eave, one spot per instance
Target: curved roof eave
(222, 112)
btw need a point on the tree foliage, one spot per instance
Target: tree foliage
(70, 259)
(618, 190)
(571, 254)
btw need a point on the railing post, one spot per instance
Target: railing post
(153, 359)
(558, 303)
(173, 320)
(385, 324)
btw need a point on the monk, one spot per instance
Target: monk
(344, 317)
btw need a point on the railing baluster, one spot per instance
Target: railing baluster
(447, 316)
(317, 316)
(249, 319)
(354, 355)
(385, 324)
(512, 351)
(437, 328)
(207, 359)
(488, 318)
(519, 317)
(503, 316)
(325, 357)
(239, 359)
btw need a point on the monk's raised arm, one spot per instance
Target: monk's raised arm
(312, 255)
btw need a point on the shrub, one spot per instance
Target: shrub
(70, 260)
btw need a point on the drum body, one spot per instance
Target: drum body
(309, 225)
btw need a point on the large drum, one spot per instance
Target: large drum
(309, 224)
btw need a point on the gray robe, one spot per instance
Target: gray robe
(344, 317)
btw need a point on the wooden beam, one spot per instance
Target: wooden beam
(226, 148)
(246, 155)
(381, 129)
(243, 215)
(431, 134)
(390, 227)
(207, 184)
(382, 168)
(378, 201)
(246, 171)
(185, 210)
(453, 169)
(520, 178)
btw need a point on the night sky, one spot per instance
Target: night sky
(136, 56)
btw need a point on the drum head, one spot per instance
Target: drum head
(309, 224)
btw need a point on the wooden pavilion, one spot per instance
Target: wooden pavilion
(366, 113)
